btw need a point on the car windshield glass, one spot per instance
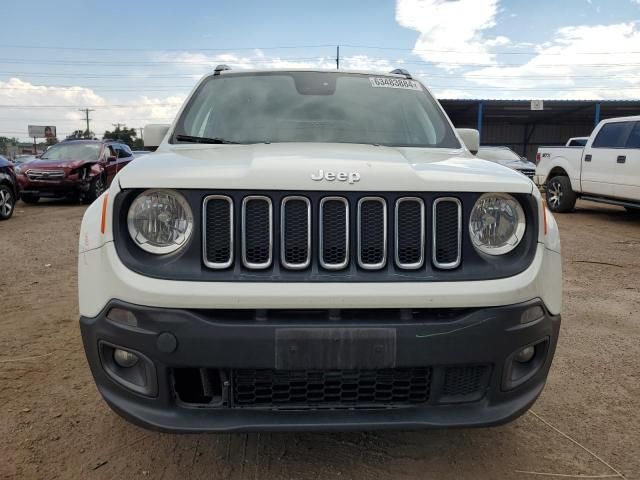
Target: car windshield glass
(73, 151)
(497, 154)
(314, 107)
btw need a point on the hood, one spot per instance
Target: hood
(291, 166)
(44, 163)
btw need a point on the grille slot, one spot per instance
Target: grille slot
(330, 388)
(295, 231)
(447, 233)
(409, 232)
(218, 231)
(334, 233)
(372, 233)
(257, 232)
(465, 383)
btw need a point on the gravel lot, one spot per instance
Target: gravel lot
(53, 423)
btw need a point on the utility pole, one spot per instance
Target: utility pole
(118, 125)
(141, 134)
(337, 57)
(86, 113)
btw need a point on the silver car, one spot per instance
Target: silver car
(507, 157)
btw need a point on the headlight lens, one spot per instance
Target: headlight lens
(160, 221)
(497, 223)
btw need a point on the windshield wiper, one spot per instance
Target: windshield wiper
(192, 139)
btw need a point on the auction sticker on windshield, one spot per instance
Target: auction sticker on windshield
(386, 82)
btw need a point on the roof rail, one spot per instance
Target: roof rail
(401, 71)
(221, 68)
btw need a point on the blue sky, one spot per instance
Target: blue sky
(135, 62)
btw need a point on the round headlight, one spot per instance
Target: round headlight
(497, 223)
(160, 221)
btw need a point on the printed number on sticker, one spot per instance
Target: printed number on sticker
(386, 82)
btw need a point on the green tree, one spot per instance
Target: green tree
(80, 135)
(5, 143)
(124, 135)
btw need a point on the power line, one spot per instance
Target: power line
(133, 105)
(198, 49)
(289, 47)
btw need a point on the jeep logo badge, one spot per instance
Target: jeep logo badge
(351, 177)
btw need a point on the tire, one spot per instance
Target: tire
(27, 198)
(7, 202)
(560, 196)
(96, 188)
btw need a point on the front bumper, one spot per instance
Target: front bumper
(439, 339)
(51, 188)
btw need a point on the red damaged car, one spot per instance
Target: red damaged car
(77, 169)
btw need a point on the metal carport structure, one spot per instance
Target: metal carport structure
(514, 124)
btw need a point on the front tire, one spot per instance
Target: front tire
(7, 202)
(560, 196)
(96, 188)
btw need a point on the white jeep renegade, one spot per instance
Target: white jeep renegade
(317, 250)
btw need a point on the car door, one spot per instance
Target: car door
(601, 167)
(125, 155)
(627, 178)
(110, 157)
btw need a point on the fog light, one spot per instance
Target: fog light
(124, 359)
(524, 355)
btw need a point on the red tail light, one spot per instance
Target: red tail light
(537, 158)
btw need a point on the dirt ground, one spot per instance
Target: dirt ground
(53, 423)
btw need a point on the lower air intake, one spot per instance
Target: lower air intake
(330, 388)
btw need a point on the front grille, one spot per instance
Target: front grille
(447, 226)
(331, 388)
(325, 229)
(372, 233)
(218, 231)
(410, 232)
(295, 242)
(334, 233)
(528, 173)
(257, 233)
(44, 175)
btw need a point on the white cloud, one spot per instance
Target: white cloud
(67, 100)
(452, 31)
(571, 65)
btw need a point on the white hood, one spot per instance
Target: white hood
(289, 166)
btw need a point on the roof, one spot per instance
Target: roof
(465, 111)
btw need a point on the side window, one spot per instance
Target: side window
(613, 135)
(123, 151)
(634, 137)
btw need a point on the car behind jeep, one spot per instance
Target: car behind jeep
(77, 169)
(317, 250)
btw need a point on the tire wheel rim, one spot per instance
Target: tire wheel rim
(6, 203)
(555, 194)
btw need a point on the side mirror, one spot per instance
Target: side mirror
(154, 134)
(470, 138)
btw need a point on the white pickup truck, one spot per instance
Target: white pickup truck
(606, 170)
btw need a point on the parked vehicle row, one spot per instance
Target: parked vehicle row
(606, 169)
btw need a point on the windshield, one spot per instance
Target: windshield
(314, 107)
(73, 151)
(498, 154)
